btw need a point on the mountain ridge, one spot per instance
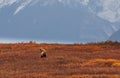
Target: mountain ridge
(115, 36)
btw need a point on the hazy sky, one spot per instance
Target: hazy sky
(58, 20)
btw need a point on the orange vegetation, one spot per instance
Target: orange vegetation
(98, 60)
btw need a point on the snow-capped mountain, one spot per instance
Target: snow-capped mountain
(59, 20)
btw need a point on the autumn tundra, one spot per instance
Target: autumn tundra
(92, 60)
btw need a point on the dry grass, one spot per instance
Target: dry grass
(22, 60)
(102, 63)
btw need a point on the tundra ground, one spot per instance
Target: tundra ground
(98, 60)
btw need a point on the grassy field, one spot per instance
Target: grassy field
(98, 60)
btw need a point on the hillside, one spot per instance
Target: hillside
(98, 60)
